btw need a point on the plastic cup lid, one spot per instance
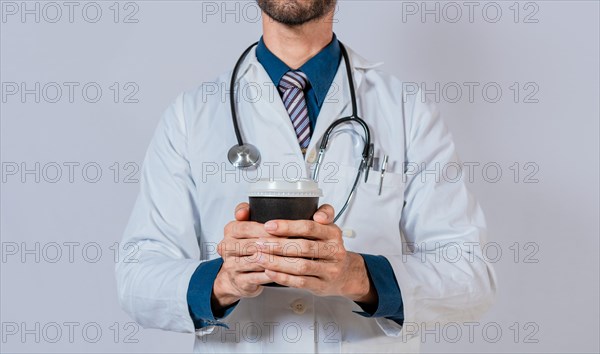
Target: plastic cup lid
(284, 188)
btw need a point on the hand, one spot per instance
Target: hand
(317, 260)
(241, 275)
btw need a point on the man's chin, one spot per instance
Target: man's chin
(296, 12)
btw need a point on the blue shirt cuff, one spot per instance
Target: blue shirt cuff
(382, 276)
(200, 292)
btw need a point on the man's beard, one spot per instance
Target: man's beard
(296, 12)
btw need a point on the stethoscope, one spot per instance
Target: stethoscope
(244, 155)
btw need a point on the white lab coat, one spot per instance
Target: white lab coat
(189, 191)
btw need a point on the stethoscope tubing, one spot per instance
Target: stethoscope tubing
(367, 153)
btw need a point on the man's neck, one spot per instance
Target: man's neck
(296, 45)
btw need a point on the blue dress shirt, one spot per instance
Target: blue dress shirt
(320, 70)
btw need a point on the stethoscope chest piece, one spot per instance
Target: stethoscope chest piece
(243, 156)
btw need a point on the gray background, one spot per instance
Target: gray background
(544, 219)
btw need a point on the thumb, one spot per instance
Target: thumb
(242, 212)
(324, 215)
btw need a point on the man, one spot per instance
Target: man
(366, 283)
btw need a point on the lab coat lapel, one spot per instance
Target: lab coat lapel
(264, 111)
(337, 101)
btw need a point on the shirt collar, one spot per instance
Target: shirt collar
(320, 69)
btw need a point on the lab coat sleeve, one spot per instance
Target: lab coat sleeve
(441, 273)
(161, 234)
(389, 304)
(200, 293)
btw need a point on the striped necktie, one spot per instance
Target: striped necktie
(292, 86)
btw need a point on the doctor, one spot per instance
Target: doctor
(405, 256)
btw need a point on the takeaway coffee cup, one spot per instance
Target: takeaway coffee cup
(272, 199)
(282, 199)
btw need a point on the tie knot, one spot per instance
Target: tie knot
(291, 79)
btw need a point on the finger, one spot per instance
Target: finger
(245, 229)
(293, 281)
(290, 265)
(299, 248)
(255, 278)
(244, 264)
(242, 212)
(302, 228)
(231, 247)
(324, 215)
(250, 284)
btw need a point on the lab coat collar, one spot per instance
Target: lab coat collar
(356, 60)
(337, 101)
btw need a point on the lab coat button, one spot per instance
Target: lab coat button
(298, 307)
(349, 233)
(311, 156)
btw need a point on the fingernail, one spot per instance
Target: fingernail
(270, 226)
(321, 214)
(240, 209)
